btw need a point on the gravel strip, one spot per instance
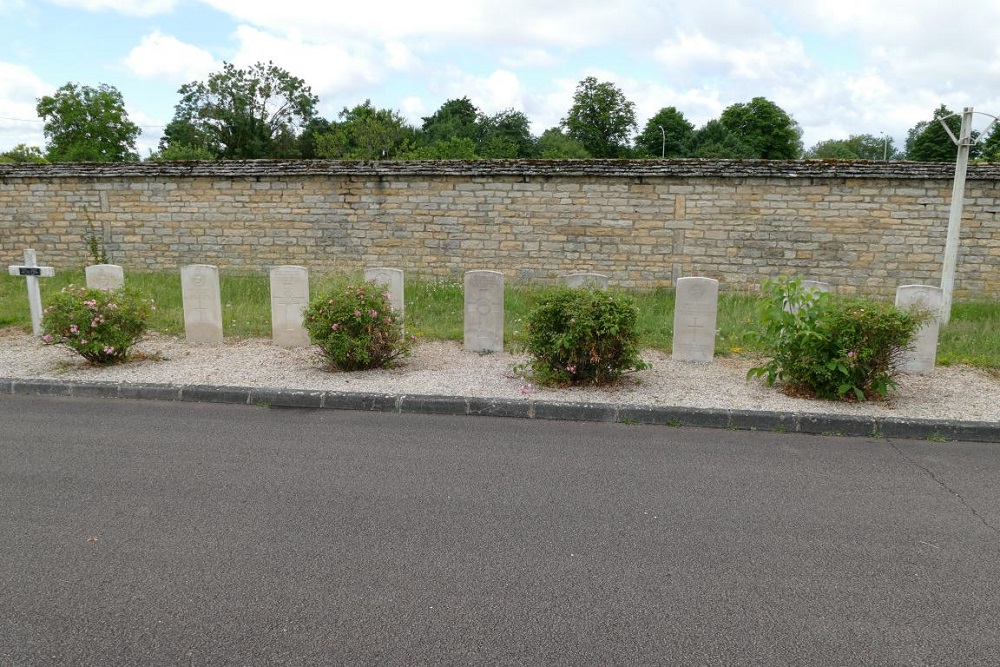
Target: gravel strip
(443, 368)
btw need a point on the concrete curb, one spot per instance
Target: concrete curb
(739, 420)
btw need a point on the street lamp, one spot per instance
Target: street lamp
(663, 143)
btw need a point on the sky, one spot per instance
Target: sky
(838, 68)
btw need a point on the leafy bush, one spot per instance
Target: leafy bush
(357, 329)
(831, 347)
(583, 336)
(102, 326)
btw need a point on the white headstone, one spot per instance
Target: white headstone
(695, 309)
(289, 299)
(105, 276)
(202, 303)
(811, 287)
(393, 280)
(484, 311)
(583, 279)
(921, 357)
(32, 272)
(816, 286)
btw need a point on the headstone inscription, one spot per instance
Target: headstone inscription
(484, 311)
(202, 303)
(105, 276)
(921, 357)
(289, 299)
(695, 312)
(393, 281)
(32, 272)
(582, 279)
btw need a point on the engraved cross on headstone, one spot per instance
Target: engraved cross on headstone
(32, 272)
(292, 303)
(200, 300)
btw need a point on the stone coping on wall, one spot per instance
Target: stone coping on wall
(681, 169)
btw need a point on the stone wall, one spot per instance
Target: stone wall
(857, 225)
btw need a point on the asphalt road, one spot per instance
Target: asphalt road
(148, 533)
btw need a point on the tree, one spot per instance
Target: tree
(712, 140)
(601, 118)
(23, 153)
(765, 128)
(364, 133)
(673, 141)
(307, 139)
(990, 149)
(243, 113)
(84, 124)
(183, 137)
(927, 141)
(178, 152)
(455, 119)
(459, 148)
(855, 147)
(555, 145)
(505, 135)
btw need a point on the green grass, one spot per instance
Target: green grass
(972, 336)
(434, 310)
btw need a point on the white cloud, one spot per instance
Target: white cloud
(166, 57)
(699, 105)
(547, 108)
(699, 56)
(20, 89)
(414, 110)
(529, 58)
(516, 23)
(499, 91)
(130, 7)
(399, 57)
(327, 67)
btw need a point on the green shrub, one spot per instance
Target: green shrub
(831, 347)
(357, 329)
(583, 336)
(102, 326)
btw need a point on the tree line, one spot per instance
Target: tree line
(263, 111)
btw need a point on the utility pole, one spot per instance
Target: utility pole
(663, 142)
(964, 141)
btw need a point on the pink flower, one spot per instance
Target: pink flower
(94, 323)
(373, 313)
(73, 328)
(47, 338)
(108, 349)
(357, 313)
(83, 341)
(335, 326)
